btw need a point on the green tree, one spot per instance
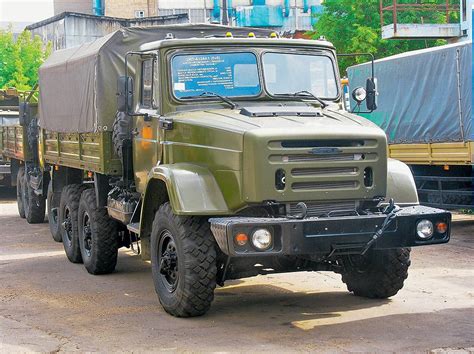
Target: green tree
(354, 26)
(20, 59)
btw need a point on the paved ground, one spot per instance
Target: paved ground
(49, 304)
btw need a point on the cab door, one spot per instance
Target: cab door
(146, 146)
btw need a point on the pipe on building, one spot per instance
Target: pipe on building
(230, 10)
(287, 8)
(216, 10)
(305, 6)
(97, 7)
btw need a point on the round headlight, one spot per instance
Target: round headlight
(262, 239)
(424, 229)
(359, 94)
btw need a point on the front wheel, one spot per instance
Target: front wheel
(35, 205)
(183, 259)
(378, 275)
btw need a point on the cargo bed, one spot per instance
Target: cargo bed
(86, 151)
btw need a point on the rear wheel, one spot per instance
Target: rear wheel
(19, 191)
(183, 263)
(35, 205)
(378, 275)
(68, 208)
(98, 236)
(53, 200)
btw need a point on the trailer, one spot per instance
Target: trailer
(425, 108)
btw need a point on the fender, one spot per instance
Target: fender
(192, 189)
(401, 184)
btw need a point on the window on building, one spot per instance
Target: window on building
(139, 13)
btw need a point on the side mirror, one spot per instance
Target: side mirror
(124, 94)
(371, 89)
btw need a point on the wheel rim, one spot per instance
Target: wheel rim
(67, 225)
(168, 261)
(87, 234)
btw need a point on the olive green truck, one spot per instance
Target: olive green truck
(217, 156)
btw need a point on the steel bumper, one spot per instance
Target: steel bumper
(328, 235)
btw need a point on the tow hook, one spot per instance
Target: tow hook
(391, 211)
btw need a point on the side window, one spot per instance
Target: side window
(147, 83)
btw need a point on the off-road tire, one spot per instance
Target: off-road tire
(19, 191)
(35, 205)
(100, 254)
(121, 130)
(196, 263)
(52, 203)
(67, 220)
(382, 275)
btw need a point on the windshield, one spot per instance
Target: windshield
(226, 74)
(286, 73)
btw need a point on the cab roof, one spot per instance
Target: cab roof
(229, 41)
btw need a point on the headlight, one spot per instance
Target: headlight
(424, 229)
(359, 94)
(262, 239)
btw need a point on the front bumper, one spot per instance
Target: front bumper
(329, 235)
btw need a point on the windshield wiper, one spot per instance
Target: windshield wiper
(212, 94)
(304, 93)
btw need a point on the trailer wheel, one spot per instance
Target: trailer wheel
(98, 236)
(35, 205)
(67, 219)
(52, 203)
(379, 275)
(19, 191)
(183, 258)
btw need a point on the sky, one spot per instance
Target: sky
(25, 10)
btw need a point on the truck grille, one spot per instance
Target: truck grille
(300, 167)
(316, 209)
(324, 185)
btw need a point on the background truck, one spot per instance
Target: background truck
(425, 108)
(219, 156)
(9, 112)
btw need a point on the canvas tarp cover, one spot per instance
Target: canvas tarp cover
(78, 86)
(418, 99)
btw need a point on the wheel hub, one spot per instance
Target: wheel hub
(168, 261)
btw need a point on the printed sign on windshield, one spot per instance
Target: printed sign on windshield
(226, 74)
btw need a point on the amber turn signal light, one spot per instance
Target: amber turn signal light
(241, 239)
(441, 227)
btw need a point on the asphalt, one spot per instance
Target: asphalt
(48, 304)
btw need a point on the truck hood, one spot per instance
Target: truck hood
(237, 121)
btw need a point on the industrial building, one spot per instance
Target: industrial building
(281, 15)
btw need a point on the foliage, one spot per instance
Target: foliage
(20, 59)
(354, 26)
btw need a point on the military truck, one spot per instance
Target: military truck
(431, 130)
(218, 156)
(9, 103)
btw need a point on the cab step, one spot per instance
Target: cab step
(134, 227)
